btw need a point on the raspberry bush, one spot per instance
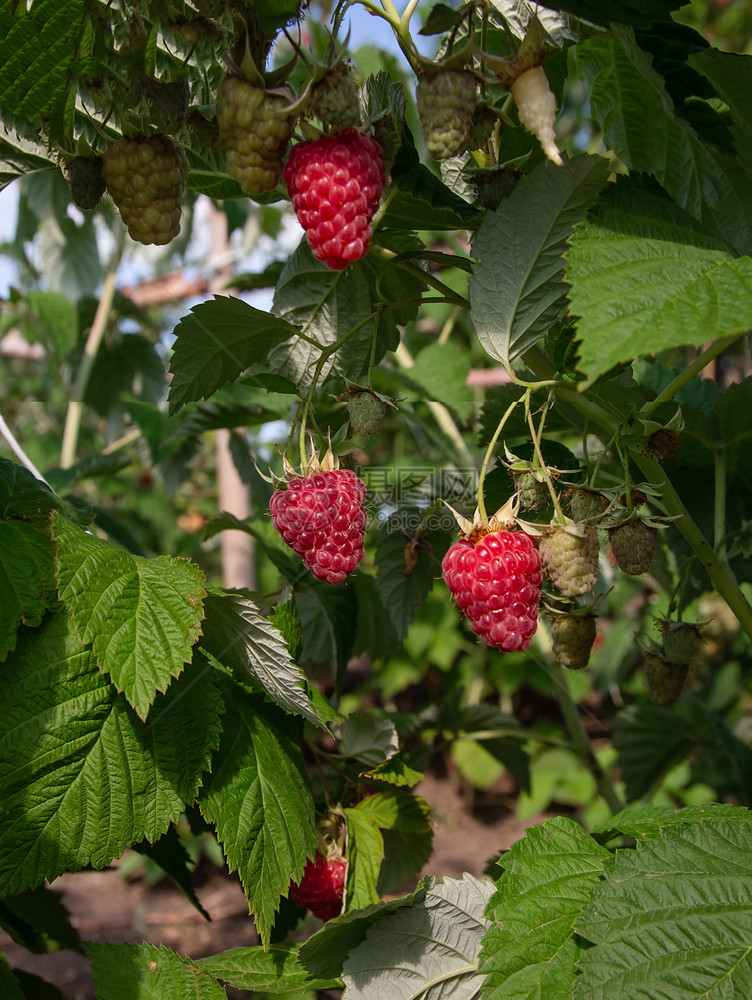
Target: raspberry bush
(394, 427)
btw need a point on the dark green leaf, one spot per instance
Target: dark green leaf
(217, 341)
(402, 590)
(39, 921)
(650, 740)
(22, 494)
(27, 579)
(646, 819)
(130, 364)
(273, 971)
(132, 971)
(517, 289)
(328, 618)
(259, 798)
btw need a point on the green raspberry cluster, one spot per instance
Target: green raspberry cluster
(570, 560)
(366, 411)
(446, 106)
(86, 182)
(146, 180)
(633, 546)
(334, 100)
(255, 131)
(572, 638)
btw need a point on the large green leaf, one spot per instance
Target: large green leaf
(529, 951)
(636, 12)
(37, 48)
(365, 852)
(22, 494)
(641, 819)
(239, 636)
(27, 579)
(130, 971)
(19, 156)
(259, 798)
(673, 917)
(39, 921)
(626, 93)
(649, 741)
(328, 618)
(517, 289)
(143, 616)
(442, 370)
(405, 823)
(325, 305)
(82, 777)
(645, 277)
(402, 590)
(52, 319)
(217, 341)
(275, 970)
(432, 948)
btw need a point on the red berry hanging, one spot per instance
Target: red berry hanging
(335, 184)
(322, 887)
(496, 579)
(322, 518)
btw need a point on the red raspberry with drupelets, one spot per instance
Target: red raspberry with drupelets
(495, 578)
(322, 887)
(322, 518)
(335, 184)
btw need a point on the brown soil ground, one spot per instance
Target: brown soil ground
(469, 829)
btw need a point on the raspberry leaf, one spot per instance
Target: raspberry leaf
(259, 798)
(646, 819)
(660, 922)
(27, 579)
(238, 635)
(142, 616)
(275, 970)
(150, 972)
(63, 746)
(365, 852)
(517, 289)
(697, 291)
(401, 592)
(368, 739)
(216, 342)
(433, 946)
(530, 951)
(405, 823)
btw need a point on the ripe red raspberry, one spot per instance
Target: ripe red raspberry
(496, 581)
(322, 887)
(335, 184)
(322, 518)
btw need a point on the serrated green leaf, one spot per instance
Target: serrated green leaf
(216, 342)
(517, 288)
(365, 852)
(676, 285)
(54, 321)
(646, 819)
(673, 917)
(142, 616)
(82, 776)
(395, 772)
(39, 921)
(273, 971)
(625, 93)
(368, 738)
(238, 635)
(529, 951)
(328, 618)
(20, 155)
(636, 12)
(649, 740)
(433, 947)
(22, 495)
(405, 823)
(259, 798)
(132, 971)
(325, 304)
(324, 953)
(27, 579)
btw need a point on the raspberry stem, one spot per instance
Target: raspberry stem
(482, 513)
(685, 376)
(536, 436)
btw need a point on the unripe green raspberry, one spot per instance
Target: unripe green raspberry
(573, 637)
(366, 412)
(168, 103)
(86, 182)
(585, 505)
(334, 100)
(446, 104)
(495, 185)
(633, 546)
(681, 641)
(255, 131)
(569, 559)
(146, 180)
(481, 127)
(532, 493)
(664, 680)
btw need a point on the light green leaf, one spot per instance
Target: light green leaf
(529, 951)
(27, 579)
(217, 341)
(273, 971)
(475, 763)
(674, 917)
(432, 947)
(369, 739)
(365, 852)
(646, 819)
(238, 635)
(626, 93)
(644, 277)
(405, 824)
(395, 772)
(517, 289)
(259, 798)
(132, 971)
(82, 776)
(143, 616)
(54, 321)
(325, 952)
(442, 370)
(325, 304)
